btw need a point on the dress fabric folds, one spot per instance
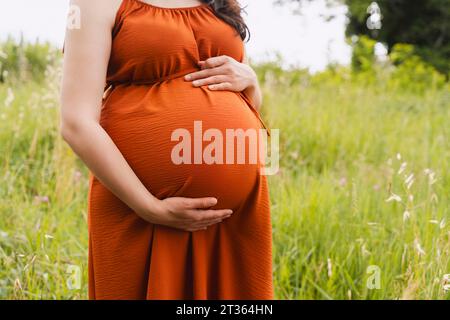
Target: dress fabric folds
(146, 101)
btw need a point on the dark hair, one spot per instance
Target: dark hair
(230, 12)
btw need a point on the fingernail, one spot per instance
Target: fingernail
(195, 83)
(188, 77)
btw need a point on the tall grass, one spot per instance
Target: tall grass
(364, 182)
(344, 203)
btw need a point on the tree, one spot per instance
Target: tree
(422, 23)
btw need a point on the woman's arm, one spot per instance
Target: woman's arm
(86, 57)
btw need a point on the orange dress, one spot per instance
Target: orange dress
(129, 258)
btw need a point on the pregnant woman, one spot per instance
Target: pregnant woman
(158, 228)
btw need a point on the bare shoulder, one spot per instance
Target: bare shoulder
(97, 11)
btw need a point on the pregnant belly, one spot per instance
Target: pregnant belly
(185, 141)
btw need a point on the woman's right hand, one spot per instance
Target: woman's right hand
(187, 213)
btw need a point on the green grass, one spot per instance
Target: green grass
(342, 144)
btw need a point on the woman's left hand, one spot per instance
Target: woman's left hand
(223, 73)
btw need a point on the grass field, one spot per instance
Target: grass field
(362, 192)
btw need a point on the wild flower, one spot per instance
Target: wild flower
(432, 179)
(406, 215)
(9, 97)
(330, 268)
(342, 182)
(434, 198)
(364, 250)
(402, 167)
(30, 263)
(3, 55)
(431, 176)
(41, 199)
(17, 285)
(77, 176)
(409, 181)
(394, 197)
(294, 155)
(419, 248)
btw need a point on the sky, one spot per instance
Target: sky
(304, 40)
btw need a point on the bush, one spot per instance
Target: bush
(411, 72)
(403, 69)
(23, 61)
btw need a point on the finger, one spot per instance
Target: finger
(210, 222)
(200, 203)
(194, 219)
(204, 215)
(209, 81)
(203, 74)
(203, 225)
(216, 61)
(199, 75)
(201, 64)
(192, 228)
(220, 86)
